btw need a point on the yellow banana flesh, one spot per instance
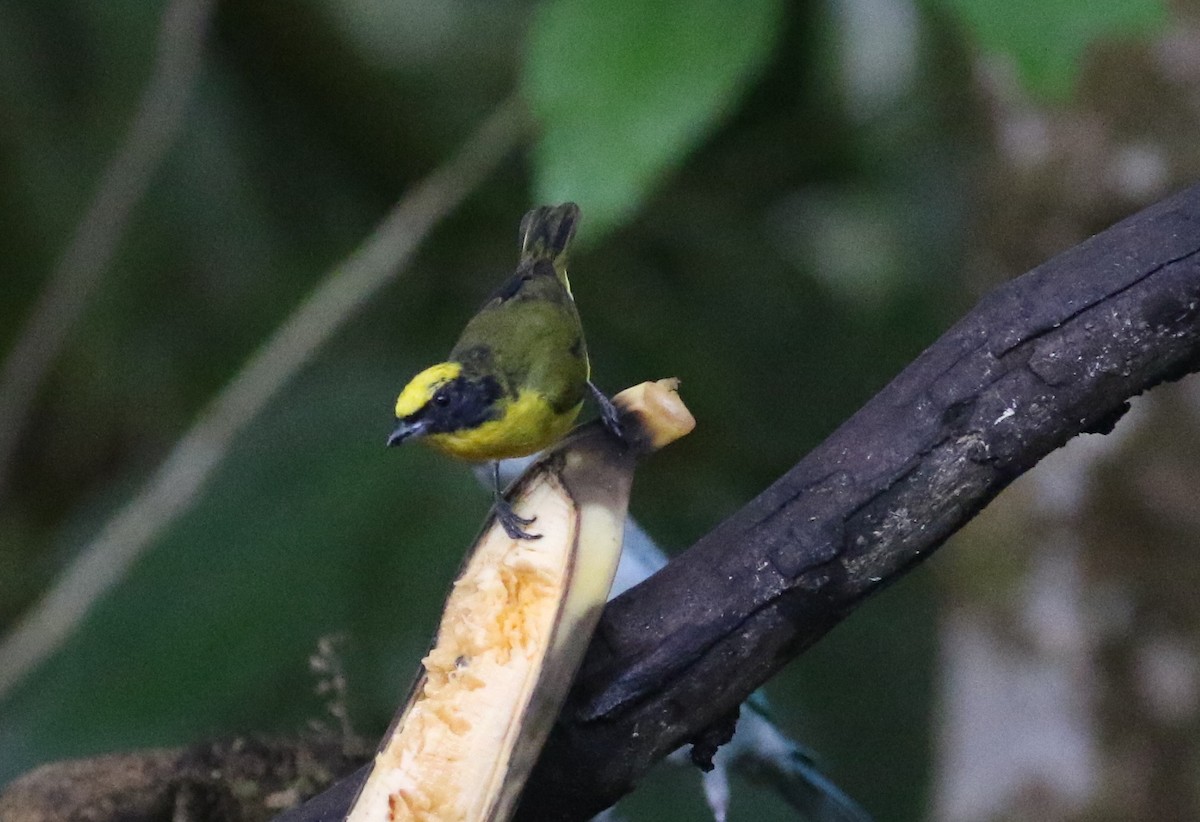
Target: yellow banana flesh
(515, 627)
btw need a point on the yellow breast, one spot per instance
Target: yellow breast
(525, 425)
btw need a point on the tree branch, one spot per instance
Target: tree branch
(1052, 354)
(1055, 353)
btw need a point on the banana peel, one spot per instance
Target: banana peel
(516, 624)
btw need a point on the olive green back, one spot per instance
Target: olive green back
(529, 336)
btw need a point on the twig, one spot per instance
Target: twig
(90, 250)
(176, 485)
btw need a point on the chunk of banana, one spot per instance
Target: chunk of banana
(515, 627)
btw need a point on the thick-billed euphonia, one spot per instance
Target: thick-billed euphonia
(517, 377)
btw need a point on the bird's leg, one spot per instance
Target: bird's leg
(508, 518)
(609, 414)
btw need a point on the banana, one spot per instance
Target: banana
(515, 627)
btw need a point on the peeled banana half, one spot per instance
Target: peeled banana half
(516, 624)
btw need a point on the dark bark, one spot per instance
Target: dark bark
(1055, 353)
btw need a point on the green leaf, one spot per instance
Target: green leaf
(1045, 39)
(624, 89)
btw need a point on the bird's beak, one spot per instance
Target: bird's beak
(405, 430)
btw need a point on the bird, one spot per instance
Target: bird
(518, 376)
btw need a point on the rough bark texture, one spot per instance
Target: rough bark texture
(1052, 354)
(238, 780)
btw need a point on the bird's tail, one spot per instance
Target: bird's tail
(546, 233)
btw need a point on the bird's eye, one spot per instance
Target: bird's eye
(441, 399)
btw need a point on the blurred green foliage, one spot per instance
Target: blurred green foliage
(626, 89)
(772, 212)
(1045, 41)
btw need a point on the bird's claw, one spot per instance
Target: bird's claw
(512, 521)
(609, 415)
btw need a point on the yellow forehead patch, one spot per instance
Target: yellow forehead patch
(421, 387)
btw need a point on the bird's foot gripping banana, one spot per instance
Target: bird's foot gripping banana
(515, 627)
